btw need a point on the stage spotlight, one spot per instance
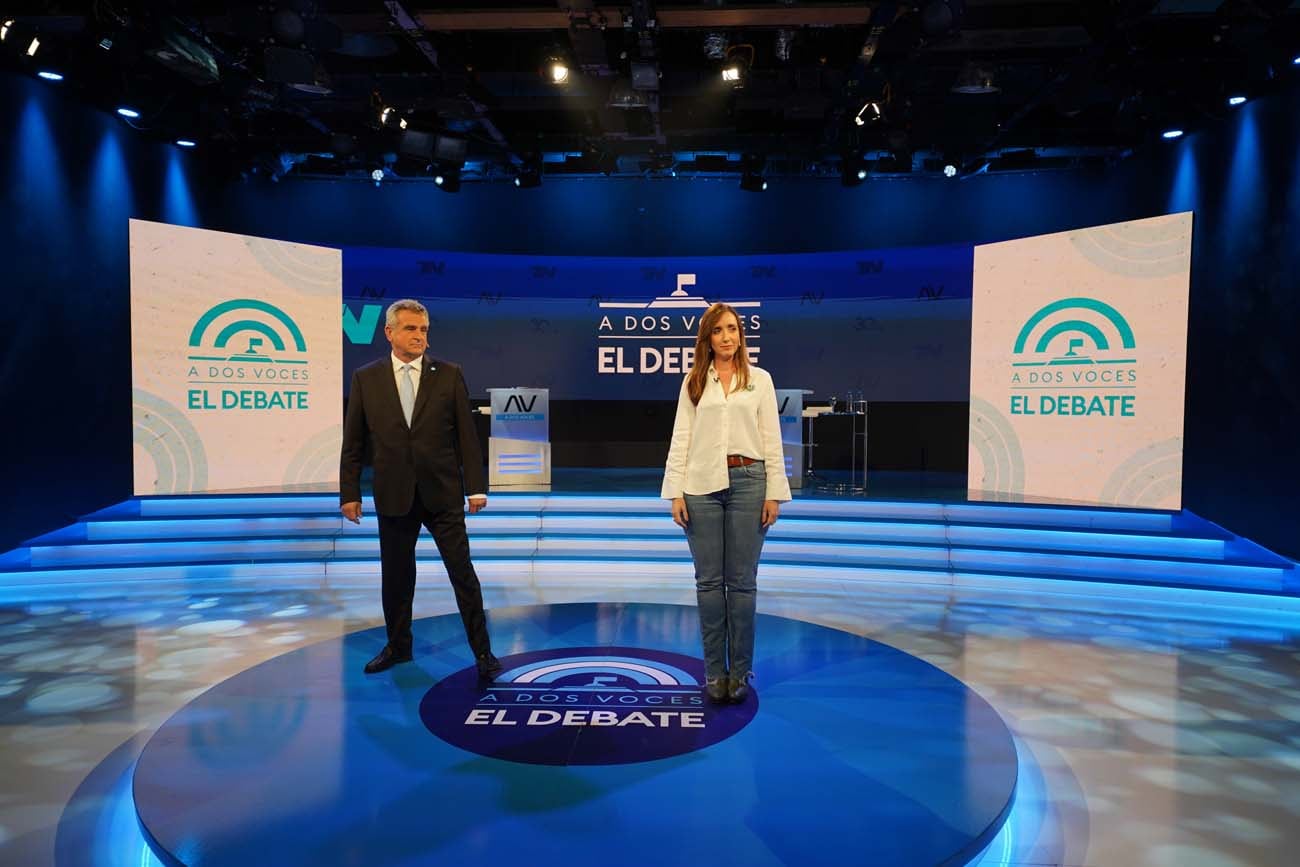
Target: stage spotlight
(1295, 61)
(1171, 134)
(377, 176)
(950, 171)
(530, 172)
(402, 123)
(384, 114)
(447, 178)
(4, 29)
(185, 143)
(1234, 101)
(869, 113)
(33, 46)
(50, 76)
(556, 68)
(751, 173)
(128, 112)
(735, 69)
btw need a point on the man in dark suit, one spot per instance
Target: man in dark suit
(412, 414)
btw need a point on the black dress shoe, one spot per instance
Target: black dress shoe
(738, 689)
(488, 666)
(716, 689)
(386, 659)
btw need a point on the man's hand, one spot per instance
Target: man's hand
(771, 508)
(680, 518)
(351, 511)
(477, 504)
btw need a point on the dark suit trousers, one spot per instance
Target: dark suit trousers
(397, 538)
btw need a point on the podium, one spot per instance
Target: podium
(519, 440)
(789, 408)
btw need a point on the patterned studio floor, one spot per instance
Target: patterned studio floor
(1164, 737)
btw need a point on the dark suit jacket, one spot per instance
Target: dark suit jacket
(438, 455)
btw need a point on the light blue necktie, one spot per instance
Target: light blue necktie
(406, 391)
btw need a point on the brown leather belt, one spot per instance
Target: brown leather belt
(739, 461)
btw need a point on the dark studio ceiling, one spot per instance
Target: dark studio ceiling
(842, 90)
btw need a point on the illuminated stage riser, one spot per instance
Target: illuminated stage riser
(301, 538)
(844, 530)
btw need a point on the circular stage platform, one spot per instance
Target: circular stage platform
(594, 746)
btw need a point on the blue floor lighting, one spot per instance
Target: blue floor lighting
(850, 751)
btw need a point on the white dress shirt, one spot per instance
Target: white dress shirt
(416, 368)
(741, 423)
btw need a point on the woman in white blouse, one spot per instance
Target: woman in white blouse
(726, 479)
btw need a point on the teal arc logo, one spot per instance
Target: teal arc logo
(254, 323)
(606, 673)
(583, 706)
(1058, 326)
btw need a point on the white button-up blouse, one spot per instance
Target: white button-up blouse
(742, 423)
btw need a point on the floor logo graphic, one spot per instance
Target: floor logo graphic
(246, 354)
(667, 338)
(1079, 354)
(583, 706)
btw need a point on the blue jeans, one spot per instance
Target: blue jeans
(725, 532)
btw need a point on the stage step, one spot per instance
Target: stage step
(316, 505)
(170, 537)
(789, 528)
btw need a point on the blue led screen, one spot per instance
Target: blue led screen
(891, 324)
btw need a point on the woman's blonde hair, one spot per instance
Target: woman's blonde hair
(704, 352)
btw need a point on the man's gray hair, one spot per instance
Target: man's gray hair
(390, 318)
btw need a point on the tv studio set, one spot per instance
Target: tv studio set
(780, 433)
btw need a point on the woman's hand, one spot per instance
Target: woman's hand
(680, 518)
(771, 508)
